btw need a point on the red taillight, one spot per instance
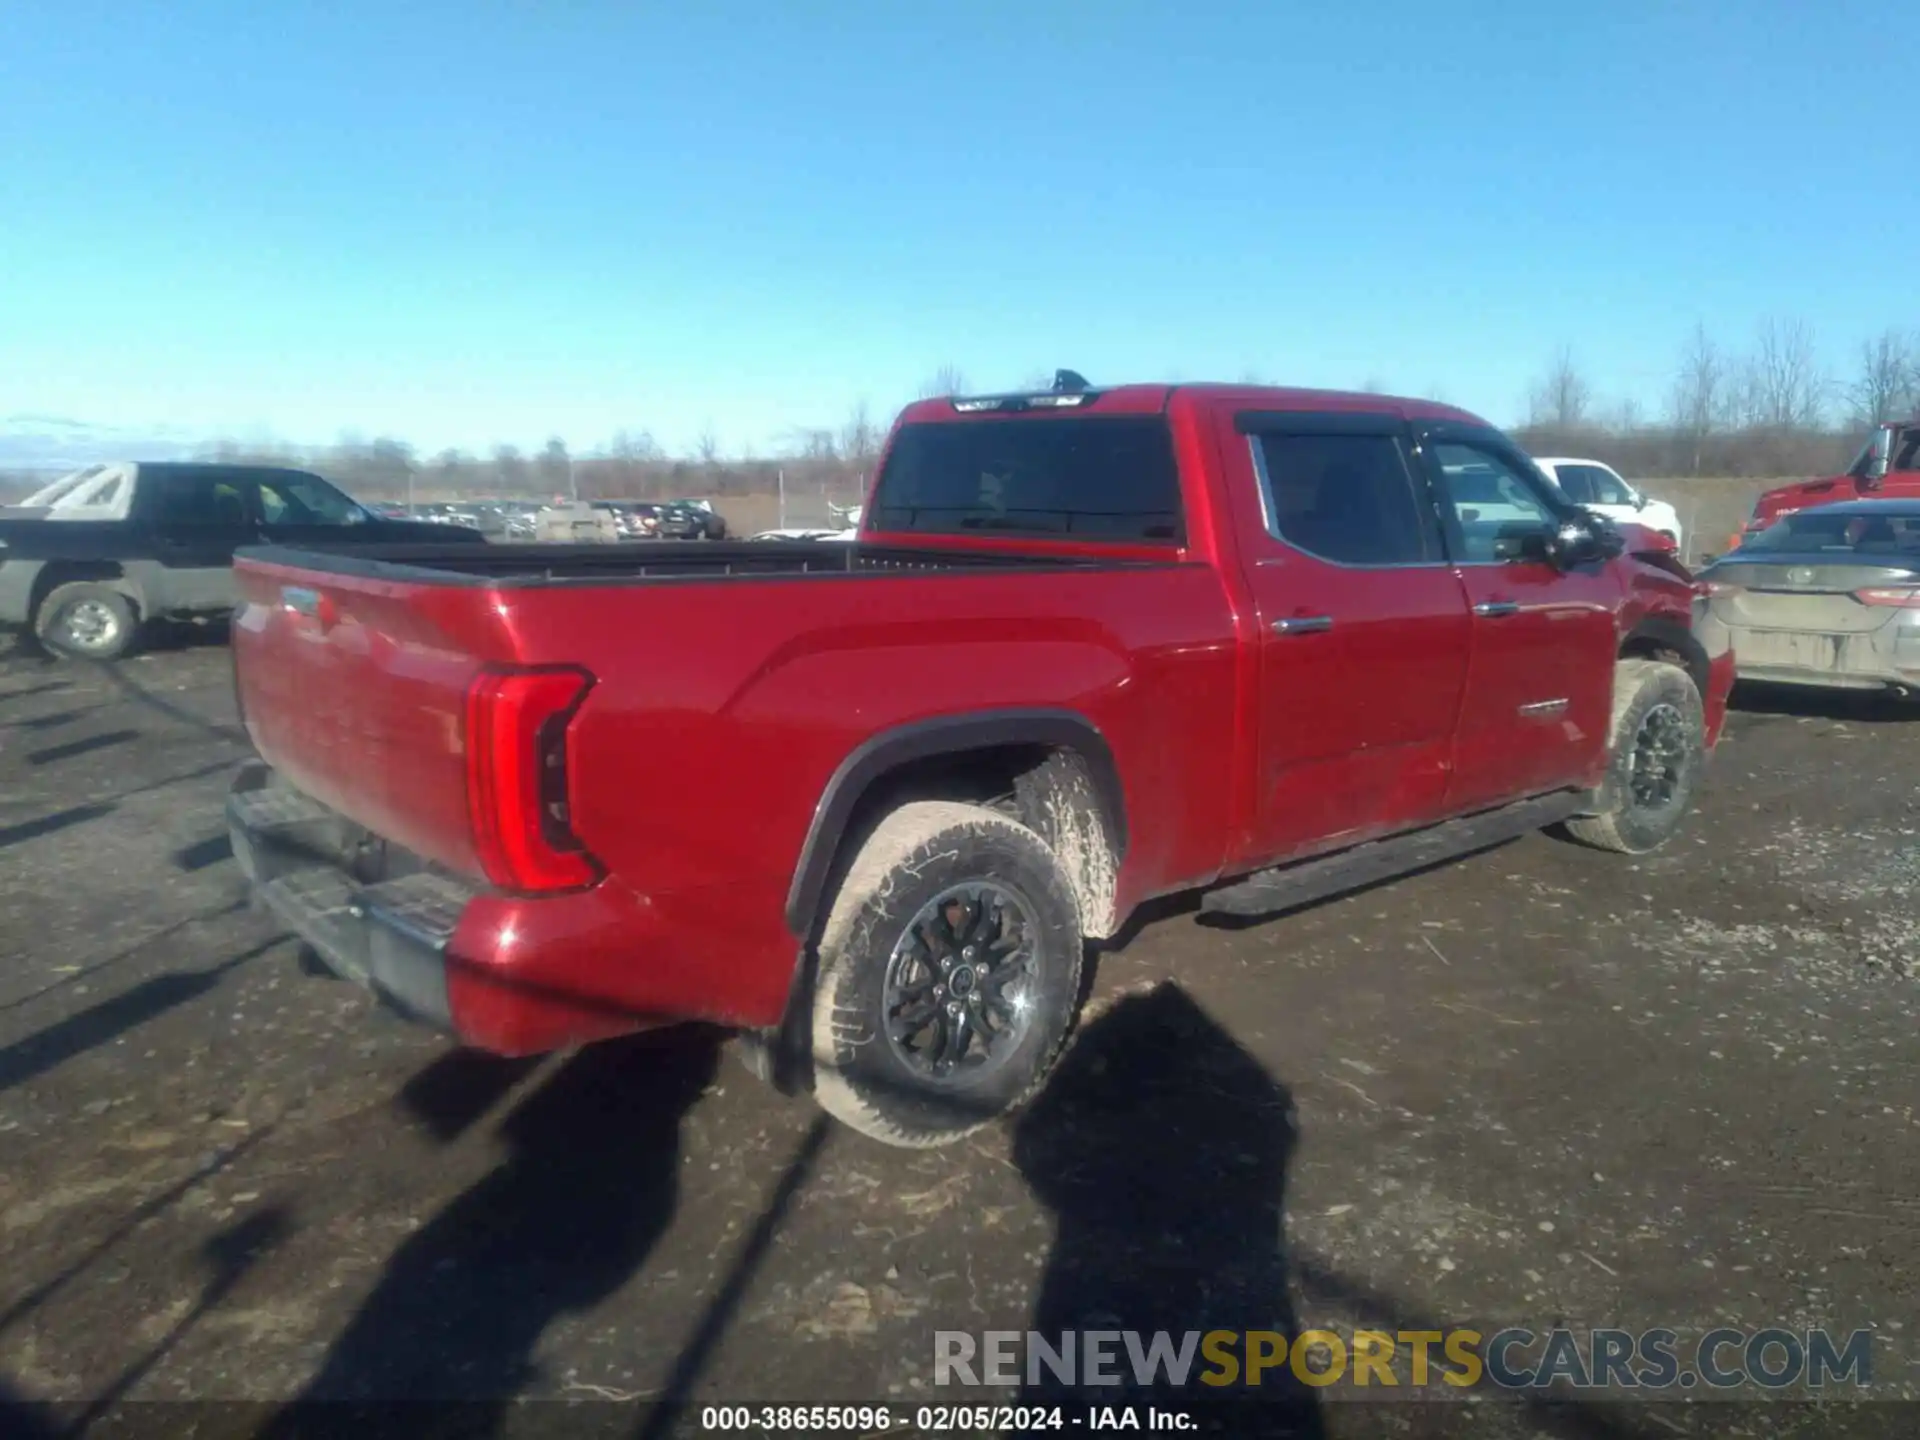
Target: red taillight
(1902, 598)
(517, 798)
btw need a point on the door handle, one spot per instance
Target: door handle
(1303, 624)
(1496, 607)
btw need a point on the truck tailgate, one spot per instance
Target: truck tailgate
(353, 686)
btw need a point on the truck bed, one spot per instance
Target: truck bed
(355, 671)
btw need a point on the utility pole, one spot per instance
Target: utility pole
(573, 485)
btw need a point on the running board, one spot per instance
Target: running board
(1286, 887)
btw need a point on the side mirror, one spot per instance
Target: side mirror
(1640, 501)
(1585, 540)
(1526, 542)
(1878, 459)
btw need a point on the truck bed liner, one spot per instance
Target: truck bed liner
(539, 564)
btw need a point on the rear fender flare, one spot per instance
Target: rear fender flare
(946, 735)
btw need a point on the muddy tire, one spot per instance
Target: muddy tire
(86, 621)
(1658, 747)
(949, 972)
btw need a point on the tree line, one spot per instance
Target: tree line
(1771, 410)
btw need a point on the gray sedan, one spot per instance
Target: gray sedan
(1828, 596)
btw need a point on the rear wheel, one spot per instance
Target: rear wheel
(949, 972)
(1658, 748)
(87, 621)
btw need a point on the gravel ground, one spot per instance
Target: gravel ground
(1542, 1086)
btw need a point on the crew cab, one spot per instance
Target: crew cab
(1887, 467)
(1090, 646)
(87, 561)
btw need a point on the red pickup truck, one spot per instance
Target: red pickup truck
(867, 802)
(1887, 468)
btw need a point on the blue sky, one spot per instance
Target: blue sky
(470, 222)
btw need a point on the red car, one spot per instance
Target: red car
(868, 802)
(1887, 468)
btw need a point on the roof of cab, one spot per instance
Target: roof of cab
(1146, 399)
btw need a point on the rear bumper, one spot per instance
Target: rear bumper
(440, 950)
(390, 937)
(1885, 658)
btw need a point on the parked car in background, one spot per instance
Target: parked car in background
(716, 525)
(803, 532)
(1090, 647)
(90, 560)
(1599, 487)
(632, 519)
(1827, 596)
(677, 520)
(1888, 466)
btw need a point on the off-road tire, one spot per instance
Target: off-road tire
(54, 623)
(910, 858)
(1619, 823)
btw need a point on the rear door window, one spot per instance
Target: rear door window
(199, 500)
(1083, 478)
(1345, 498)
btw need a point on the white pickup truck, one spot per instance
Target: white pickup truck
(1599, 488)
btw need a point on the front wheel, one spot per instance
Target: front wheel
(1658, 749)
(949, 973)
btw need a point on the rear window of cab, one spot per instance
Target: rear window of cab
(1082, 477)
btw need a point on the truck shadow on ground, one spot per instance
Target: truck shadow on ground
(1161, 1145)
(589, 1185)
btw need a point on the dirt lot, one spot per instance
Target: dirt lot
(1540, 1086)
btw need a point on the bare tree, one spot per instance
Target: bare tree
(1699, 396)
(1624, 417)
(1790, 390)
(707, 447)
(1561, 398)
(554, 466)
(947, 380)
(634, 446)
(1373, 385)
(1887, 378)
(509, 468)
(859, 437)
